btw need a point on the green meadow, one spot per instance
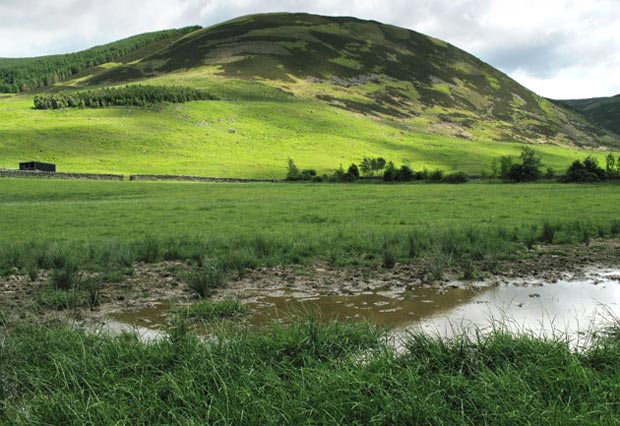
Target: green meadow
(66, 210)
(241, 137)
(92, 223)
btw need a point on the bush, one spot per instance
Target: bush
(293, 172)
(458, 177)
(353, 171)
(405, 174)
(529, 170)
(390, 174)
(308, 174)
(436, 176)
(588, 171)
(371, 166)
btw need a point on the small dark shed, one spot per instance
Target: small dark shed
(37, 165)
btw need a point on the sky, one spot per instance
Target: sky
(561, 49)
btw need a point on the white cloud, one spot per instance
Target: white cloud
(559, 48)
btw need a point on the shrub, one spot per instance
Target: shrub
(371, 166)
(529, 169)
(390, 174)
(308, 174)
(436, 176)
(588, 171)
(405, 174)
(353, 171)
(458, 177)
(293, 173)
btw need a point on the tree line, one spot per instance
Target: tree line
(528, 167)
(374, 169)
(135, 95)
(22, 74)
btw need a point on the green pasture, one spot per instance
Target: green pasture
(243, 138)
(64, 210)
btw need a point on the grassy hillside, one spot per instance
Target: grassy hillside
(238, 139)
(323, 91)
(603, 111)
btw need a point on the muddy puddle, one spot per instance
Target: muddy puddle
(571, 308)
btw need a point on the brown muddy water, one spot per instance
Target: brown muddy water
(571, 308)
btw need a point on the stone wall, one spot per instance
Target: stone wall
(57, 175)
(9, 173)
(197, 178)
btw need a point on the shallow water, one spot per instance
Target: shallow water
(569, 308)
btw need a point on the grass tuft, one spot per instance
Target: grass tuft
(205, 279)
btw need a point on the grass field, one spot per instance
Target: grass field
(87, 210)
(241, 138)
(308, 372)
(253, 224)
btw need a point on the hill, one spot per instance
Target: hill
(603, 111)
(323, 91)
(371, 68)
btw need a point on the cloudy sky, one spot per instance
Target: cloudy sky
(558, 48)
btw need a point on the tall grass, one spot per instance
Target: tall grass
(206, 278)
(308, 373)
(236, 254)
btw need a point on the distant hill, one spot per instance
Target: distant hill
(603, 111)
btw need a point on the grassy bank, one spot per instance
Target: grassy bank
(306, 374)
(110, 225)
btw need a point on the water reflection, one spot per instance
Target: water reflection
(565, 308)
(385, 307)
